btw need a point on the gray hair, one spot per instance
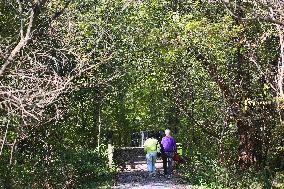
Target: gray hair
(167, 131)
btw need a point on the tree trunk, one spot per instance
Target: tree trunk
(99, 126)
(250, 145)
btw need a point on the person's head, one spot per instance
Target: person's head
(151, 135)
(167, 132)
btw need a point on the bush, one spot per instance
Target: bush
(208, 173)
(66, 167)
(205, 172)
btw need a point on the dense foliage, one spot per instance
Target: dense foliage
(75, 73)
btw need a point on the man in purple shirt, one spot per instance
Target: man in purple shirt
(168, 147)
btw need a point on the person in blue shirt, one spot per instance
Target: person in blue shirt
(168, 148)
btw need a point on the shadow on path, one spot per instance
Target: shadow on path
(139, 178)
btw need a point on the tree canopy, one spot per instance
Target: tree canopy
(75, 73)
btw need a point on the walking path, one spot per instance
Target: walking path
(139, 178)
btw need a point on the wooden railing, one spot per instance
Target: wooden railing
(122, 156)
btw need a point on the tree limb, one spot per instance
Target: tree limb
(202, 127)
(213, 72)
(256, 17)
(35, 11)
(4, 139)
(59, 13)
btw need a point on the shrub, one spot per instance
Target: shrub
(65, 167)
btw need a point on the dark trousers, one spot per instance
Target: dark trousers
(168, 162)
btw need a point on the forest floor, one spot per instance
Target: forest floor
(138, 178)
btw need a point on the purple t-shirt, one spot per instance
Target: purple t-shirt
(168, 143)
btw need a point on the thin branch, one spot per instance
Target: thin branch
(268, 19)
(4, 139)
(12, 151)
(256, 17)
(2, 55)
(59, 13)
(262, 73)
(21, 18)
(203, 129)
(213, 72)
(35, 11)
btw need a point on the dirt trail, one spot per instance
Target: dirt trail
(139, 178)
